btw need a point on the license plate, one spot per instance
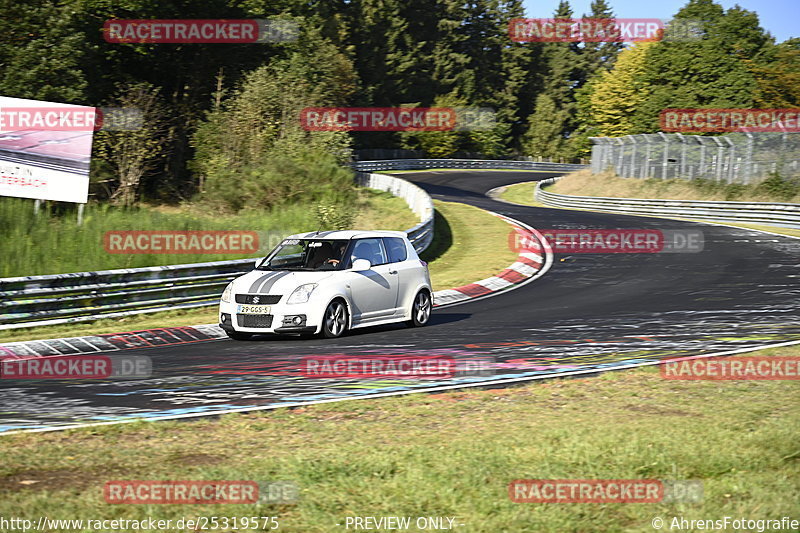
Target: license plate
(254, 309)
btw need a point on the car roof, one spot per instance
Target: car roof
(347, 234)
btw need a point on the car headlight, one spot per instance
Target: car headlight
(226, 294)
(302, 293)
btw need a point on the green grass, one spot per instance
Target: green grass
(164, 319)
(520, 193)
(54, 244)
(469, 245)
(447, 454)
(771, 189)
(381, 210)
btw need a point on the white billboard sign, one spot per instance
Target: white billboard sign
(45, 149)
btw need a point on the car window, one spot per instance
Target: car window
(369, 249)
(306, 254)
(396, 247)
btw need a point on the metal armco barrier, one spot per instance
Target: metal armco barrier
(774, 214)
(419, 164)
(61, 298)
(418, 200)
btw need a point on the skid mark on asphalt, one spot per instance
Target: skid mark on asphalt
(264, 382)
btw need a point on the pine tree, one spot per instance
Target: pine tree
(555, 106)
(598, 57)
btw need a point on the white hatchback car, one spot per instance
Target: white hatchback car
(329, 282)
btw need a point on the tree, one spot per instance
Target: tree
(710, 72)
(779, 80)
(254, 138)
(545, 137)
(598, 57)
(42, 53)
(554, 113)
(615, 95)
(134, 154)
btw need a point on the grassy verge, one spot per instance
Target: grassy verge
(585, 183)
(450, 454)
(164, 319)
(469, 245)
(381, 210)
(53, 244)
(522, 193)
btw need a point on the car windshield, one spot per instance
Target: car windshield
(306, 254)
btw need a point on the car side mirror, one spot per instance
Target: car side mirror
(360, 265)
(258, 261)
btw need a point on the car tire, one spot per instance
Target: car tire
(420, 309)
(239, 336)
(334, 320)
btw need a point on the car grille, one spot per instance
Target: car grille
(265, 299)
(254, 321)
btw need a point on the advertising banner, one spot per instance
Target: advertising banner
(45, 149)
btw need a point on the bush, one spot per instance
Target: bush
(280, 179)
(333, 217)
(779, 187)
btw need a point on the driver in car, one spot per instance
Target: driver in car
(336, 256)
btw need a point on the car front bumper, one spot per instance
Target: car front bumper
(280, 321)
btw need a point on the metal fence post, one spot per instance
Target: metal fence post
(621, 147)
(646, 166)
(665, 159)
(682, 166)
(731, 155)
(701, 170)
(632, 172)
(748, 160)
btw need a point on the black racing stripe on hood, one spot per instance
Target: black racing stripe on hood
(264, 289)
(260, 280)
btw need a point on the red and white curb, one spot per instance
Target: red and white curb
(534, 259)
(111, 342)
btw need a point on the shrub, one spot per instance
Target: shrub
(280, 179)
(779, 187)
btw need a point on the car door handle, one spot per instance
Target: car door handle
(393, 272)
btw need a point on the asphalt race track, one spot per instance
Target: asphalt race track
(589, 312)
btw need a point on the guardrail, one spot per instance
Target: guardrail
(774, 214)
(417, 199)
(62, 298)
(420, 164)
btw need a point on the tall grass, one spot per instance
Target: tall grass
(53, 243)
(774, 188)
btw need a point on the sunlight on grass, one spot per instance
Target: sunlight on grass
(450, 454)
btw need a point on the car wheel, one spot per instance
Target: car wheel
(420, 309)
(334, 321)
(239, 336)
